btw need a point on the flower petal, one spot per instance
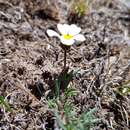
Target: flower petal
(52, 33)
(63, 28)
(74, 30)
(79, 37)
(67, 42)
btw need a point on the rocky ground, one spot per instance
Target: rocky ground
(29, 61)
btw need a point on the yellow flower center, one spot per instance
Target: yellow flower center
(67, 36)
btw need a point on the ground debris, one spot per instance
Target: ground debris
(30, 61)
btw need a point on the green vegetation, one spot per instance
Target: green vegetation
(124, 89)
(79, 7)
(4, 104)
(70, 119)
(63, 80)
(84, 122)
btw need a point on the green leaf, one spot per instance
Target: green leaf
(69, 92)
(63, 80)
(57, 88)
(123, 90)
(51, 103)
(60, 123)
(5, 104)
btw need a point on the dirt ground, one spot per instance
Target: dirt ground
(29, 60)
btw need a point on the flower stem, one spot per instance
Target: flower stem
(65, 53)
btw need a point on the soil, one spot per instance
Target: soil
(30, 61)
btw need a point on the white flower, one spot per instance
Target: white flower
(68, 34)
